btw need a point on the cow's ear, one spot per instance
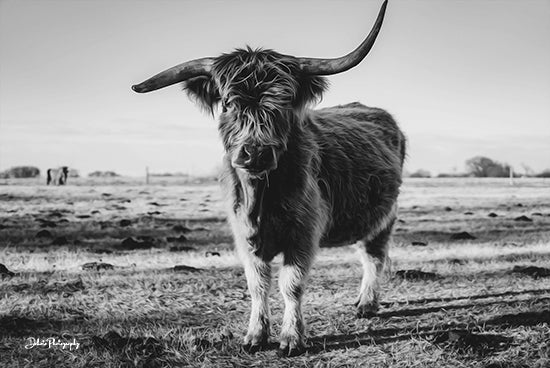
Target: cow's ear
(310, 90)
(204, 91)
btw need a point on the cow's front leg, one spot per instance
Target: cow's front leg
(258, 277)
(292, 283)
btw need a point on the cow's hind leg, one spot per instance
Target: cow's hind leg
(373, 254)
(258, 277)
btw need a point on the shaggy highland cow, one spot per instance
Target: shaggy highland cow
(297, 178)
(57, 176)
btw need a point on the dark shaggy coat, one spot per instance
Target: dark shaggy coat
(351, 154)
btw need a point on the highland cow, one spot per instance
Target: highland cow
(57, 176)
(297, 178)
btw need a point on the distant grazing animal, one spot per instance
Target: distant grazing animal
(297, 178)
(58, 176)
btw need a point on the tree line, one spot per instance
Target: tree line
(477, 167)
(484, 167)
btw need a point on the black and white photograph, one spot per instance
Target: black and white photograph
(253, 183)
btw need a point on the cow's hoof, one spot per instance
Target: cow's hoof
(367, 310)
(291, 352)
(255, 341)
(251, 349)
(291, 345)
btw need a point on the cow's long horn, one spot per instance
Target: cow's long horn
(315, 66)
(178, 73)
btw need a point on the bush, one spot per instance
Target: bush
(73, 173)
(20, 172)
(103, 174)
(169, 174)
(484, 167)
(453, 175)
(421, 173)
(544, 174)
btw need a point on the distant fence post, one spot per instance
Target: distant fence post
(511, 175)
(146, 174)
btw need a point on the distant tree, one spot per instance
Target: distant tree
(421, 173)
(544, 174)
(73, 173)
(103, 174)
(527, 170)
(170, 174)
(484, 167)
(453, 175)
(20, 172)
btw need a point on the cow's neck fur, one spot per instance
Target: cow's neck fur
(252, 192)
(256, 201)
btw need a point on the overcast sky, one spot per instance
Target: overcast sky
(463, 78)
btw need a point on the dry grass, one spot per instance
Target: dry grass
(476, 312)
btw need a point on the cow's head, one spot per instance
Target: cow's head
(261, 94)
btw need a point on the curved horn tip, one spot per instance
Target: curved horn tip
(315, 66)
(139, 88)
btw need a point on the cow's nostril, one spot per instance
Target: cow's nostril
(255, 158)
(266, 156)
(247, 154)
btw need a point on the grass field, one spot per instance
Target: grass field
(476, 304)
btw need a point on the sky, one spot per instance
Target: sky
(462, 78)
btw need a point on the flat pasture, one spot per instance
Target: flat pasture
(145, 276)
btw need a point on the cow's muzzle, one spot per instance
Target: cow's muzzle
(257, 161)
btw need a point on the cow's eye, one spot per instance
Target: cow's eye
(225, 105)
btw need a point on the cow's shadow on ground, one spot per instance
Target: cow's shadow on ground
(443, 332)
(449, 307)
(434, 333)
(468, 297)
(461, 334)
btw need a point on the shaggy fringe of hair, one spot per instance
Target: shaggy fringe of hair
(265, 88)
(260, 90)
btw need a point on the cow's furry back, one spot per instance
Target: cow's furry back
(361, 152)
